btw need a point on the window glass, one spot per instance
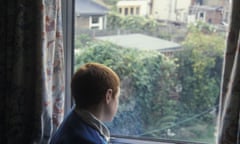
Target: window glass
(120, 10)
(169, 63)
(126, 11)
(137, 10)
(95, 19)
(131, 11)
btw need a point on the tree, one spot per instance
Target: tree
(137, 24)
(200, 70)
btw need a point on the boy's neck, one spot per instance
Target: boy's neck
(97, 112)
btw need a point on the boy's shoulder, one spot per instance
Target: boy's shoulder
(74, 130)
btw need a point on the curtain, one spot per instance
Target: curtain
(229, 112)
(31, 70)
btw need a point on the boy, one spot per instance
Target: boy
(95, 89)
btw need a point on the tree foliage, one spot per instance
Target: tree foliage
(200, 70)
(137, 24)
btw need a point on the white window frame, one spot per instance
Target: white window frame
(199, 16)
(98, 25)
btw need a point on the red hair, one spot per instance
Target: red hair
(91, 82)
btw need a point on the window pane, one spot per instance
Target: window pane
(132, 11)
(169, 59)
(120, 10)
(126, 11)
(137, 10)
(95, 19)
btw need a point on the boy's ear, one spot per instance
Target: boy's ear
(108, 96)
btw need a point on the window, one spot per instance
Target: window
(96, 23)
(201, 16)
(120, 10)
(170, 74)
(132, 10)
(125, 11)
(95, 19)
(137, 11)
(209, 20)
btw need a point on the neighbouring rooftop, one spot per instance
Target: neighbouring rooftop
(141, 42)
(89, 7)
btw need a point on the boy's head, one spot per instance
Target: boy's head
(92, 83)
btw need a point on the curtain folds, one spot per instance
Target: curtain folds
(53, 67)
(31, 70)
(228, 120)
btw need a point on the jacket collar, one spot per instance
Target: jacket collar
(90, 119)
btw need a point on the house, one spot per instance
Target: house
(171, 10)
(211, 11)
(90, 15)
(163, 10)
(205, 13)
(134, 7)
(143, 42)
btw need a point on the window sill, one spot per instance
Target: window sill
(134, 140)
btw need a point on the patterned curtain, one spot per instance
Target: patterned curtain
(31, 70)
(229, 121)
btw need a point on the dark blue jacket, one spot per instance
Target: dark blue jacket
(74, 130)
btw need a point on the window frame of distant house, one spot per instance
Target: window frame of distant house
(138, 10)
(68, 41)
(95, 22)
(126, 11)
(132, 10)
(120, 10)
(201, 15)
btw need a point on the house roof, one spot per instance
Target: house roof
(132, 2)
(89, 7)
(206, 7)
(142, 42)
